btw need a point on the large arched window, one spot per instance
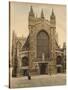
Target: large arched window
(25, 61)
(42, 44)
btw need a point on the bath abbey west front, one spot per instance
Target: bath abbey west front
(40, 53)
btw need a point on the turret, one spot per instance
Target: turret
(31, 17)
(53, 19)
(42, 14)
(31, 13)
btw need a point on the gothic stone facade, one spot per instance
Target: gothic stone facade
(38, 55)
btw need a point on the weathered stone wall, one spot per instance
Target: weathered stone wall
(34, 30)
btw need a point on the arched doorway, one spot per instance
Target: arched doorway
(42, 50)
(25, 64)
(59, 64)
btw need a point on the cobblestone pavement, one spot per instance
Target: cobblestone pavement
(36, 81)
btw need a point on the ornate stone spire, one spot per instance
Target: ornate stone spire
(52, 15)
(31, 13)
(53, 18)
(42, 15)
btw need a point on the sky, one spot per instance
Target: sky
(19, 12)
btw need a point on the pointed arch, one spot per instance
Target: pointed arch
(42, 44)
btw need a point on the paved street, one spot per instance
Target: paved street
(41, 80)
